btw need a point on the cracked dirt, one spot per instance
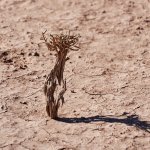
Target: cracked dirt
(107, 104)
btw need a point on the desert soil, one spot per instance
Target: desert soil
(107, 103)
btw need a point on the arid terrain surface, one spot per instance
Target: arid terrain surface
(107, 102)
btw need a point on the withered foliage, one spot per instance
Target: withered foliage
(61, 44)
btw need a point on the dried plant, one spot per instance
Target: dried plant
(61, 44)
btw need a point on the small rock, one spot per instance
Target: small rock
(4, 54)
(23, 67)
(8, 60)
(30, 54)
(67, 58)
(104, 11)
(36, 54)
(139, 28)
(72, 91)
(22, 53)
(125, 113)
(25, 103)
(2, 107)
(44, 76)
(16, 97)
(147, 20)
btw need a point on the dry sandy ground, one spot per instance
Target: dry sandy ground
(108, 100)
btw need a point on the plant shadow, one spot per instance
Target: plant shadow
(130, 120)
